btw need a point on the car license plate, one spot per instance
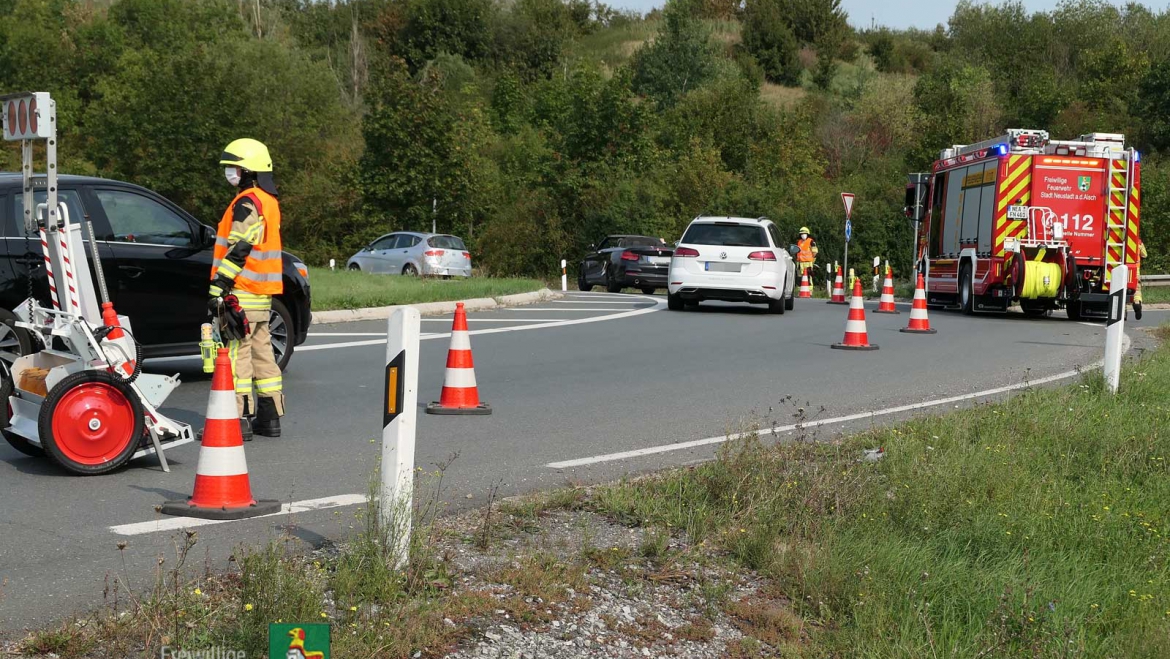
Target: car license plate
(716, 266)
(1017, 212)
(660, 259)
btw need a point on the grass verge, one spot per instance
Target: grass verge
(1155, 294)
(1035, 527)
(355, 290)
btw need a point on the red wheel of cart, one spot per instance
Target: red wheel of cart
(91, 423)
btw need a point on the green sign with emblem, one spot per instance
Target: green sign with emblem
(298, 640)
(1083, 183)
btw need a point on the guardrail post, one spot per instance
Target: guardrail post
(1115, 326)
(399, 411)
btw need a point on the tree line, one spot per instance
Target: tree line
(534, 127)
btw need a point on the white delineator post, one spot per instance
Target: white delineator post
(332, 264)
(564, 276)
(1115, 326)
(399, 411)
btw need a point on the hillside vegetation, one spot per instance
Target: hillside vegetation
(533, 127)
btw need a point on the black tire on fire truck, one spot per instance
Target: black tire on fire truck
(966, 290)
(91, 423)
(1073, 309)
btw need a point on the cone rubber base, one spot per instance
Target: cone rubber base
(918, 331)
(834, 302)
(842, 346)
(436, 408)
(183, 509)
(889, 312)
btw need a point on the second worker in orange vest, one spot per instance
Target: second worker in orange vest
(248, 267)
(806, 258)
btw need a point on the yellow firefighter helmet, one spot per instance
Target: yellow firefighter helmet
(247, 153)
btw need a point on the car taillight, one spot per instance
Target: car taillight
(433, 252)
(762, 256)
(629, 256)
(466, 255)
(686, 252)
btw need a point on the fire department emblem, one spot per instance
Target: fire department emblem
(298, 641)
(1083, 183)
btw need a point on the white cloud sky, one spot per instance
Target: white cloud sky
(896, 13)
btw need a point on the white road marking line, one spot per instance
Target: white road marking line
(611, 301)
(658, 305)
(682, 446)
(565, 309)
(176, 523)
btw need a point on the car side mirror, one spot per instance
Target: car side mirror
(206, 235)
(793, 250)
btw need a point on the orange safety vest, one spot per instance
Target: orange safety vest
(806, 255)
(263, 269)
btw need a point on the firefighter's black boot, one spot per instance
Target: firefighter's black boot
(1137, 310)
(267, 421)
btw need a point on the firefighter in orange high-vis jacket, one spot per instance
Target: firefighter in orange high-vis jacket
(806, 258)
(248, 269)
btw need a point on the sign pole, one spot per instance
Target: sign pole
(847, 199)
(1115, 326)
(399, 411)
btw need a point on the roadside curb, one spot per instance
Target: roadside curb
(434, 308)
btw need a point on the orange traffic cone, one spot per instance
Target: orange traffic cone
(460, 394)
(838, 296)
(805, 286)
(856, 337)
(919, 323)
(222, 490)
(886, 305)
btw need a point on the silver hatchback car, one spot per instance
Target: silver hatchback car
(410, 253)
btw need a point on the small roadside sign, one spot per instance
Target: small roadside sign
(847, 199)
(848, 230)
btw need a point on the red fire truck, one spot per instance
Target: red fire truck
(1026, 218)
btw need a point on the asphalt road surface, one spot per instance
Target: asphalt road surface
(583, 389)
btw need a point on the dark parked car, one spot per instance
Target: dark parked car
(626, 262)
(157, 262)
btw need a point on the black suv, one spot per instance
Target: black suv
(157, 262)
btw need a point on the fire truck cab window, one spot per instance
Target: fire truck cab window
(953, 212)
(987, 206)
(936, 214)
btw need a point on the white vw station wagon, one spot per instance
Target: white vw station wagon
(731, 259)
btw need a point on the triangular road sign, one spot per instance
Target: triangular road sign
(847, 198)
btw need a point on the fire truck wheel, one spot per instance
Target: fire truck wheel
(1073, 309)
(91, 423)
(966, 290)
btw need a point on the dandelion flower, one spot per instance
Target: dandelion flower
(198, 592)
(248, 607)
